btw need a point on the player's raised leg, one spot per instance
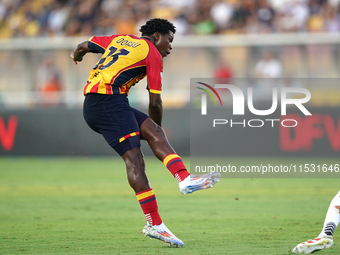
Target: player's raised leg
(325, 238)
(158, 142)
(138, 180)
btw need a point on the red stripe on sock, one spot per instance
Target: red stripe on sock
(179, 168)
(156, 219)
(182, 174)
(150, 208)
(143, 192)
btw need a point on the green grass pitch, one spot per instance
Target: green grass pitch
(85, 206)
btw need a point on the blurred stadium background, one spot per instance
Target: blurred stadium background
(41, 88)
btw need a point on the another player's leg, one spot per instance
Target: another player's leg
(162, 149)
(325, 238)
(138, 180)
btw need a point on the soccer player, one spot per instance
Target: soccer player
(125, 60)
(325, 238)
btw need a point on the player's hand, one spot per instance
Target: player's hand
(72, 56)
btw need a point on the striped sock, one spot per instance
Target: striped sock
(176, 166)
(332, 217)
(147, 201)
(329, 228)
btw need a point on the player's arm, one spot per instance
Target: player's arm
(96, 44)
(79, 52)
(154, 69)
(156, 108)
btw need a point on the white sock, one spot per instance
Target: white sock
(332, 217)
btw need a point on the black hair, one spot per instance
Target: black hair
(161, 26)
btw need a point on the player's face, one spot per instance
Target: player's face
(163, 43)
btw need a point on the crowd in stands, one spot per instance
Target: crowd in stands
(32, 18)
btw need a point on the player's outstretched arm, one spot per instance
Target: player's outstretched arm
(156, 108)
(78, 53)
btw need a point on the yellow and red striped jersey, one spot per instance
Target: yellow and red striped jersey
(126, 60)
